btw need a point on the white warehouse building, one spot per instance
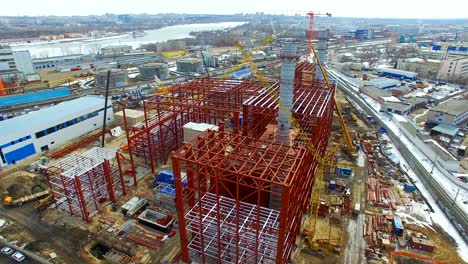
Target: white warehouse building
(48, 128)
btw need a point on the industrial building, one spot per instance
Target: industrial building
(426, 68)
(398, 74)
(450, 46)
(8, 71)
(363, 34)
(57, 61)
(190, 65)
(7, 59)
(118, 49)
(445, 130)
(117, 78)
(50, 127)
(375, 93)
(11, 100)
(23, 62)
(400, 108)
(451, 112)
(383, 83)
(400, 91)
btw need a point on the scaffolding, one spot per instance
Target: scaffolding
(231, 179)
(81, 183)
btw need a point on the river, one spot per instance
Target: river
(91, 46)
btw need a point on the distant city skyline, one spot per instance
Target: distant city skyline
(340, 8)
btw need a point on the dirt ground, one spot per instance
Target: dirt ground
(41, 237)
(444, 247)
(419, 116)
(21, 183)
(51, 75)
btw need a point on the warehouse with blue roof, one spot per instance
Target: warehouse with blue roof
(398, 74)
(48, 128)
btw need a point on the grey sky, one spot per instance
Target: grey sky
(344, 8)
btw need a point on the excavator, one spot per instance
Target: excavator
(9, 201)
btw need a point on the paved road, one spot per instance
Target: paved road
(354, 247)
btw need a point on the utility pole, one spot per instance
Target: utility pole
(456, 195)
(433, 164)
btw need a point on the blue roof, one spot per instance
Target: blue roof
(33, 97)
(398, 72)
(49, 116)
(446, 129)
(241, 73)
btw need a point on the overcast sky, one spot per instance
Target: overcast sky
(343, 8)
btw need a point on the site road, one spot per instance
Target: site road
(454, 213)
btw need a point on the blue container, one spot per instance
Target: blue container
(409, 188)
(232, 121)
(332, 185)
(167, 176)
(397, 226)
(344, 171)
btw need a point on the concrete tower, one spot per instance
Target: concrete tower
(288, 67)
(322, 52)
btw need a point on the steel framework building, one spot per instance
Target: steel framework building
(239, 206)
(81, 183)
(205, 100)
(245, 194)
(224, 212)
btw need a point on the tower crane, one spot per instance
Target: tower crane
(350, 147)
(312, 15)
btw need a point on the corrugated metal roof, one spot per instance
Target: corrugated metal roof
(399, 72)
(49, 116)
(446, 129)
(383, 82)
(453, 107)
(34, 97)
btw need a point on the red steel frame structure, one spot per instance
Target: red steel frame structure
(204, 100)
(223, 214)
(81, 183)
(226, 211)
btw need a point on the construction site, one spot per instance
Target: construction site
(216, 170)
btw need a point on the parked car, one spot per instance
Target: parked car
(18, 256)
(7, 250)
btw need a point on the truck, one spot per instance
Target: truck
(8, 201)
(357, 209)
